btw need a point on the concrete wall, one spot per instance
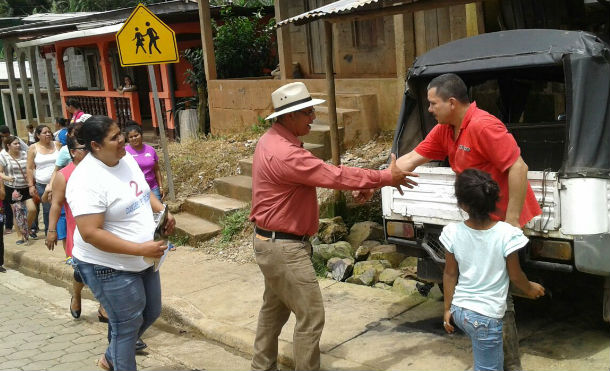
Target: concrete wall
(236, 105)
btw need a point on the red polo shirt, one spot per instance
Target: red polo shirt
(284, 181)
(483, 143)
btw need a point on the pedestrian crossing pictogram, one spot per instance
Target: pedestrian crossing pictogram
(145, 39)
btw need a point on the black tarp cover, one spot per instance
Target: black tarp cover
(586, 65)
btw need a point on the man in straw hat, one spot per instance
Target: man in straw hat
(285, 212)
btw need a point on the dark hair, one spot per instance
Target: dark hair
(94, 129)
(8, 140)
(72, 143)
(4, 129)
(73, 102)
(131, 127)
(129, 77)
(477, 192)
(61, 121)
(38, 131)
(450, 85)
(29, 126)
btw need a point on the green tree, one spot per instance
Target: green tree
(243, 45)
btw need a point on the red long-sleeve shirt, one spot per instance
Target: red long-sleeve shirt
(284, 181)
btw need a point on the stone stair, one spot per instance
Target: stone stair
(200, 214)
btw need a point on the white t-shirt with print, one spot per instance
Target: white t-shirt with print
(119, 192)
(481, 256)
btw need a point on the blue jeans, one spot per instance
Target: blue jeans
(132, 301)
(46, 206)
(486, 336)
(157, 192)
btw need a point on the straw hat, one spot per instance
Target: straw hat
(290, 98)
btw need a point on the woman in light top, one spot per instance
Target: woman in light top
(127, 85)
(482, 254)
(146, 157)
(40, 166)
(113, 208)
(13, 164)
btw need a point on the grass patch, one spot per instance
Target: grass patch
(233, 224)
(261, 126)
(179, 240)
(319, 265)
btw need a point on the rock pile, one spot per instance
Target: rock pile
(362, 259)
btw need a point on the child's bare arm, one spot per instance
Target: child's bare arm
(533, 290)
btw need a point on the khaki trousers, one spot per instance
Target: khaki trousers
(290, 286)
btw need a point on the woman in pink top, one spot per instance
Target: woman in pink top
(145, 156)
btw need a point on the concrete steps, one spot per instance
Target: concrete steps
(201, 215)
(195, 228)
(245, 166)
(212, 207)
(237, 186)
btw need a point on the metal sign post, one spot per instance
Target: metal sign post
(168, 168)
(145, 40)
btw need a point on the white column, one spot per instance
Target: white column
(39, 106)
(53, 104)
(24, 86)
(12, 84)
(6, 108)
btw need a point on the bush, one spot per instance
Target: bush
(243, 45)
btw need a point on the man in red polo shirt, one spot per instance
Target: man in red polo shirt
(473, 138)
(285, 212)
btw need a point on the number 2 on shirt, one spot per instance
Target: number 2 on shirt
(133, 184)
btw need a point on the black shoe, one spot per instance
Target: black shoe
(33, 235)
(140, 345)
(74, 313)
(3, 270)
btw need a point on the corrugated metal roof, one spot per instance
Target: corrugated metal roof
(336, 8)
(368, 8)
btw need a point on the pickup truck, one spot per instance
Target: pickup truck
(551, 88)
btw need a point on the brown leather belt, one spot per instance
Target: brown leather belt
(280, 235)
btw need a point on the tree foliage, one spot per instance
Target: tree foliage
(244, 46)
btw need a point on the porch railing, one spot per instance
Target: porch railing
(119, 107)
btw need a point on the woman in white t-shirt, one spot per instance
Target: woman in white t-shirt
(113, 209)
(40, 165)
(482, 254)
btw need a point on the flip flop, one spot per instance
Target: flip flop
(75, 313)
(104, 364)
(101, 317)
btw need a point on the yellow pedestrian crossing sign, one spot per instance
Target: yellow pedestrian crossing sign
(145, 39)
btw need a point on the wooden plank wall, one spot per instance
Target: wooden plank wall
(439, 26)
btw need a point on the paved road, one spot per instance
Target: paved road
(38, 333)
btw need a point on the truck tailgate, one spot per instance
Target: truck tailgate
(433, 201)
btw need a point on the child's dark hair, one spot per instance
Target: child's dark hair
(477, 192)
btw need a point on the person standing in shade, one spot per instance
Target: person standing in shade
(73, 106)
(145, 156)
(285, 214)
(473, 138)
